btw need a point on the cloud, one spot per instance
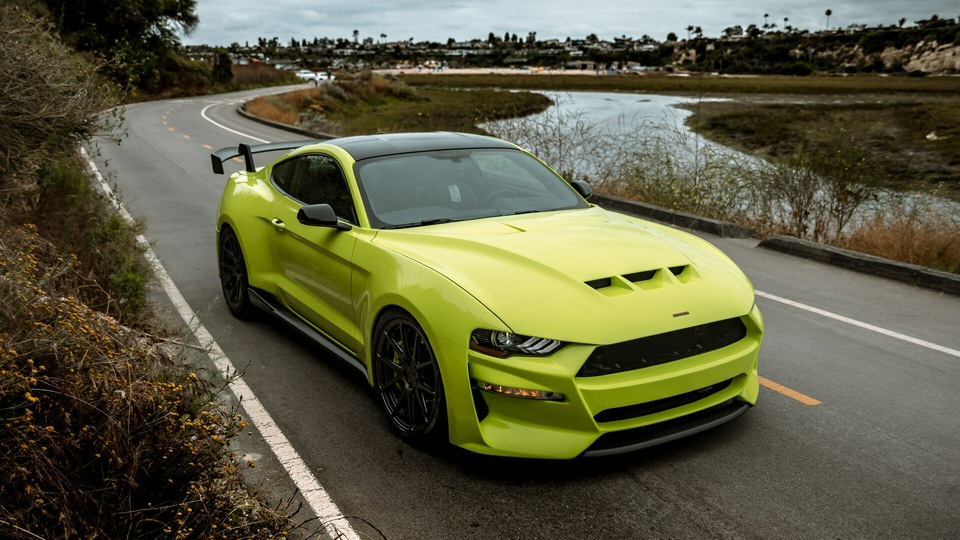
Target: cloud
(224, 22)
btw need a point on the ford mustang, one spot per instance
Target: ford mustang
(485, 300)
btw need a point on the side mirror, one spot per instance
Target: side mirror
(321, 215)
(583, 188)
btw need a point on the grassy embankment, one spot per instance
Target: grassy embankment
(693, 84)
(108, 428)
(363, 104)
(839, 142)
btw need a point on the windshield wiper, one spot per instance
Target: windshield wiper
(419, 223)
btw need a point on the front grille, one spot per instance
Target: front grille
(662, 348)
(659, 405)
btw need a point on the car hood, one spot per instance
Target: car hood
(588, 276)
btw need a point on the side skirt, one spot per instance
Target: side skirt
(265, 302)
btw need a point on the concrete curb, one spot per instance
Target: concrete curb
(242, 111)
(869, 264)
(680, 219)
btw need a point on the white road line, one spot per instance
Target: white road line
(203, 113)
(866, 326)
(334, 522)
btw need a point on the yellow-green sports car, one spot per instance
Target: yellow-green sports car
(484, 299)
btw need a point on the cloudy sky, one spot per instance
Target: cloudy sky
(223, 22)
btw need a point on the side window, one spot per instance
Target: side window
(283, 175)
(316, 179)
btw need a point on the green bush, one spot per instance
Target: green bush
(105, 433)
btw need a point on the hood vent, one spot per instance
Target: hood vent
(646, 280)
(638, 277)
(601, 283)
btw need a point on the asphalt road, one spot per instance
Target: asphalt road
(878, 457)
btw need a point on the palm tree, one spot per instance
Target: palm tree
(901, 21)
(829, 12)
(356, 35)
(765, 16)
(689, 29)
(383, 37)
(785, 20)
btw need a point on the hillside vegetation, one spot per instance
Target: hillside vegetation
(106, 430)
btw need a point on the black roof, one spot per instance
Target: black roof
(369, 146)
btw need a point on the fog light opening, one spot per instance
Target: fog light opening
(524, 393)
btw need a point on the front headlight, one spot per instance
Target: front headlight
(504, 344)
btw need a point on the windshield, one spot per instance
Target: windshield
(408, 190)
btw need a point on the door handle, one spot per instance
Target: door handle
(278, 224)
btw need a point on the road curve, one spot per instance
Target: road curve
(855, 434)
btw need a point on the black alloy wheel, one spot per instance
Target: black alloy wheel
(233, 275)
(407, 378)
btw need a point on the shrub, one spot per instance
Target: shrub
(52, 100)
(107, 249)
(103, 431)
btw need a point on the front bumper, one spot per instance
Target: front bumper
(607, 414)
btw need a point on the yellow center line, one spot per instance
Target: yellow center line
(779, 388)
(186, 137)
(208, 147)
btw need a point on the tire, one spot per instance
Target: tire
(407, 379)
(233, 276)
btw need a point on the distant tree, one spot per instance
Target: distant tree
(356, 36)
(731, 31)
(901, 22)
(383, 37)
(785, 20)
(765, 17)
(698, 32)
(689, 30)
(136, 37)
(671, 37)
(223, 70)
(828, 13)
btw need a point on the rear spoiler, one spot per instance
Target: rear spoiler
(248, 151)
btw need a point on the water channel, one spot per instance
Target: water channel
(604, 137)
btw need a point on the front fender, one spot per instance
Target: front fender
(447, 313)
